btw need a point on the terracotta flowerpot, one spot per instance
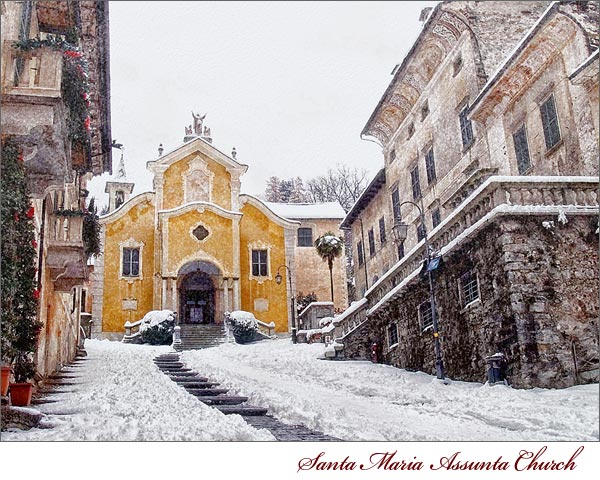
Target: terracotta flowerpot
(5, 380)
(20, 394)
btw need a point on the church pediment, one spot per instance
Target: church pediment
(196, 147)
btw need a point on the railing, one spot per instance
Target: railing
(66, 231)
(516, 195)
(35, 72)
(266, 328)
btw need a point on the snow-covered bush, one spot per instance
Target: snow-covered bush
(244, 326)
(157, 327)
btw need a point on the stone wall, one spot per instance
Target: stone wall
(538, 305)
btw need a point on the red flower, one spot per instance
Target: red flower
(87, 123)
(20, 157)
(34, 243)
(36, 294)
(16, 216)
(30, 212)
(73, 54)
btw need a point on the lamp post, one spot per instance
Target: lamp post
(278, 279)
(399, 232)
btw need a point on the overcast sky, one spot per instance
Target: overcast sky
(289, 84)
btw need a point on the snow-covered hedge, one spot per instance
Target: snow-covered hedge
(157, 326)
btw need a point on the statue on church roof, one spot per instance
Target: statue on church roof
(198, 123)
(188, 130)
(121, 175)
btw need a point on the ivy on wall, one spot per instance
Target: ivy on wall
(19, 293)
(75, 89)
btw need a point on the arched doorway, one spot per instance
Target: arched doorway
(197, 284)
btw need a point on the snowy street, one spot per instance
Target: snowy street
(122, 395)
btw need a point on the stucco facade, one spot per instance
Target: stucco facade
(196, 246)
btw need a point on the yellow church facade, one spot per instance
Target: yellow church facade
(195, 246)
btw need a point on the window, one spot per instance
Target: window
(420, 232)
(259, 263)
(457, 64)
(371, 242)
(382, 237)
(469, 287)
(466, 127)
(83, 300)
(396, 204)
(305, 237)
(522, 150)
(430, 166)
(415, 182)
(436, 217)
(119, 198)
(131, 262)
(392, 331)
(400, 250)
(360, 253)
(424, 111)
(550, 122)
(392, 156)
(425, 316)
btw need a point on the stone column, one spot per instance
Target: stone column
(236, 293)
(163, 303)
(174, 294)
(225, 295)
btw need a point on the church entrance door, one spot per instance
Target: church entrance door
(197, 299)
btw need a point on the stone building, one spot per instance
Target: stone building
(197, 246)
(489, 130)
(56, 106)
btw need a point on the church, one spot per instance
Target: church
(197, 246)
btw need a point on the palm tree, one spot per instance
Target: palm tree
(329, 246)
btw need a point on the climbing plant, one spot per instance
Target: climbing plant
(75, 88)
(19, 293)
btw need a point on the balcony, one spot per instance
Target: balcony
(35, 73)
(65, 256)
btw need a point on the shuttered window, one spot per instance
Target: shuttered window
(522, 150)
(550, 122)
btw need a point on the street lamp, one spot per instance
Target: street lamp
(278, 279)
(399, 232)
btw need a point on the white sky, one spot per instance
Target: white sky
(289, 84)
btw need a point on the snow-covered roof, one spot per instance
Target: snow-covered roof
(295, 211)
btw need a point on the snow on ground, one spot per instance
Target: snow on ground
(122, 395)
(359, 400)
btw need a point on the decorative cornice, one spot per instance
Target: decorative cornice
(270, 214)
(437, 39)
(197, 145)
(199, 207)
(127, 206)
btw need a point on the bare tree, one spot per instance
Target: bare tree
(343, 183)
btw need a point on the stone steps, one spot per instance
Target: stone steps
(207, 393)
(195, 337)
(245, 410)
(222, 400)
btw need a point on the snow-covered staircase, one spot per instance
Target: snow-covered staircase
(194, 337)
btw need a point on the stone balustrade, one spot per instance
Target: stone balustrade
(497, 195)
